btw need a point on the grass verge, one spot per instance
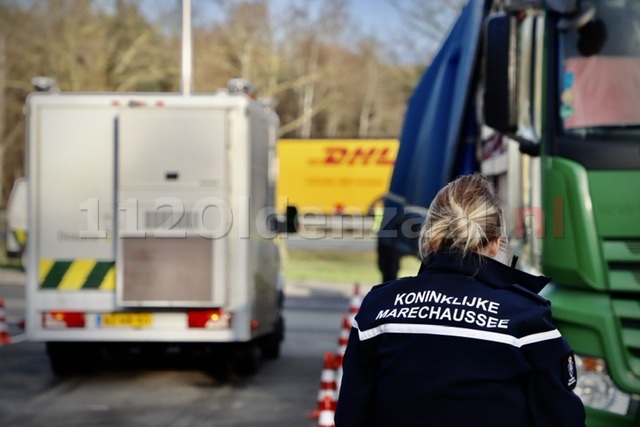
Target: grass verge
(5, 262)
(315, 265)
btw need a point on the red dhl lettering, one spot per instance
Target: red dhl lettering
(359, 155)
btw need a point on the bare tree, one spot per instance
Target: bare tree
(370, 77)
(137, 56)
(425, 25)
(325, 83)
(310, 34)
(74, 42)
(432, 19)
(329, 79)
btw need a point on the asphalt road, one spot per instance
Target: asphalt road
(171, 393)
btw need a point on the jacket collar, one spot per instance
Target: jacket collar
(482, 268)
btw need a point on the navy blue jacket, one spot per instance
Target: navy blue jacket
(467, 342)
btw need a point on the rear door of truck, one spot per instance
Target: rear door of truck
(173, 215)
(71, 175)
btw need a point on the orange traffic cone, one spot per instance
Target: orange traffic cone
(327, 413)
(4, 333)
(327, 385)
(356, 300)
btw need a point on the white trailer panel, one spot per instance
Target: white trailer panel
(72, 173)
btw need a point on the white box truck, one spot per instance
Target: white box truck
(152, 226)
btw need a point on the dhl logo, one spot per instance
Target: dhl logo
(359, 155)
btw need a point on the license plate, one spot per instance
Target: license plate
(127, 320)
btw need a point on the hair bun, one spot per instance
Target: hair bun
(464, 216)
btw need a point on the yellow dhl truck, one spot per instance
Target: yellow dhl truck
(333, 176)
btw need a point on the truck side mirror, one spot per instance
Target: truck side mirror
(579, 19)
(500, 98)
(291, 219)
(592, 38)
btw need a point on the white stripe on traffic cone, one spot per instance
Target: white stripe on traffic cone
(327, 413)
(356, 300)
(327, 385)
(4, 332)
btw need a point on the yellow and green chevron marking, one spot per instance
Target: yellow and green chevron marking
(79, 274)
(21, 236)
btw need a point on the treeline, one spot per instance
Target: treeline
(328, 80)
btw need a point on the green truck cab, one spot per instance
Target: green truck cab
(561, 90)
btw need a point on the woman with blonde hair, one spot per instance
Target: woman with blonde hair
(466, 342)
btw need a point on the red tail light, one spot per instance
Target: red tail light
(63, 319)
(214, 318)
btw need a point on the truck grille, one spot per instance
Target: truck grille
(627, 309)
(633, 246)
(623, 268)
(623, 262)
(624, 272)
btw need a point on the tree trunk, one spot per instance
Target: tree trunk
(309, 92)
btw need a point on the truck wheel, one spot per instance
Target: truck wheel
(270, 347)
(247, 359)
(60, 360)
(271, 344)
(219, 368)
(61, 366)
(67, 359)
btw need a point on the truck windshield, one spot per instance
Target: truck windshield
(600, 72)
